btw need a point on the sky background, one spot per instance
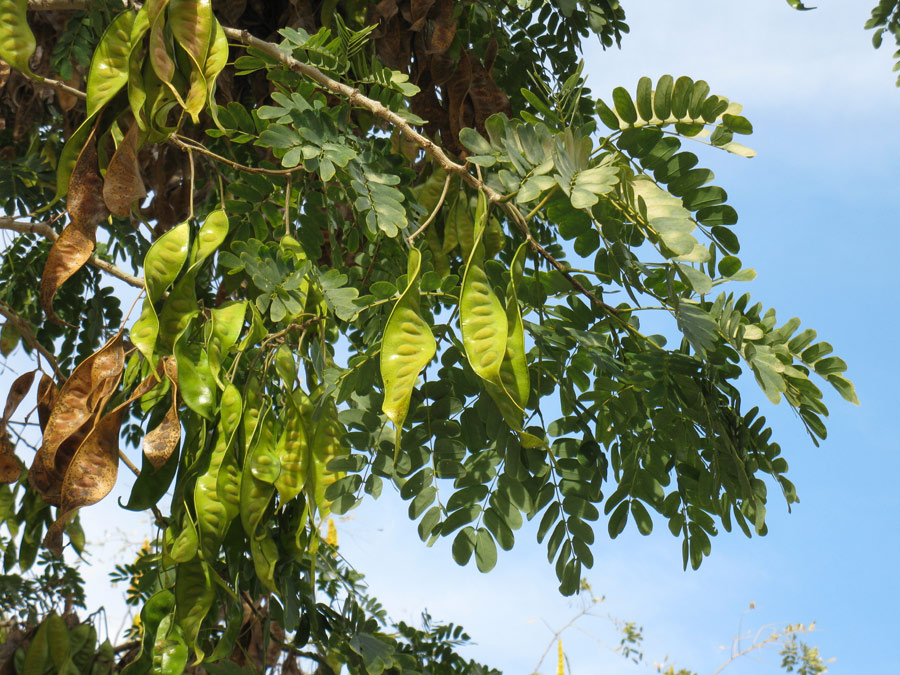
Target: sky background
(818, 222)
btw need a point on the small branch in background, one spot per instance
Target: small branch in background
(56, 5)
(45, 230)
(61, 86)
(27, 334)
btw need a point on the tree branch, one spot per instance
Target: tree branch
(45, 230)
(62, 86)
(27, 334)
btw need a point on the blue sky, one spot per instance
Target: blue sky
(819, 225)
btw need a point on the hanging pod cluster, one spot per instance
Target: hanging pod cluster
(492, 335)
(150, 68)
(260, 473)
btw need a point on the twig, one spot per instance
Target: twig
(188, 145)
(434, 212)
(25, 331)
(62, 86)
(160, 519)
(45, 230)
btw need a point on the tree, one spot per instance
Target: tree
(375, 242)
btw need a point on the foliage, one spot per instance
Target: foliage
(352, 217)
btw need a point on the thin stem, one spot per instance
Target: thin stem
(61, 86)
(541, 204)
(190, 155)
(187, 145)
(434, 212)
(45, 230)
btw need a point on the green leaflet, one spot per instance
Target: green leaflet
(162, 264)
(194, 596)
(227, 322)
(407, 347)
(671, 221)
(482, 318)
(109, 67)
(17, 42)
(293, 449)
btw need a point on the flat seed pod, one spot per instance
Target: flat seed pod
(109, 66)
(161, 442)
(71, 416)
(17, 42)
(123, 185)
(20, 387)
(264, 462)
(67, 255)
(46, 397)
(90, 476)
(194, 595)
(84, 202)
(481, 315)
(407, 347)
(10, 466)
(293, 453)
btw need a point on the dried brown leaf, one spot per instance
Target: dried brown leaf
(17, 392)
(90, 475)
(122, 184)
